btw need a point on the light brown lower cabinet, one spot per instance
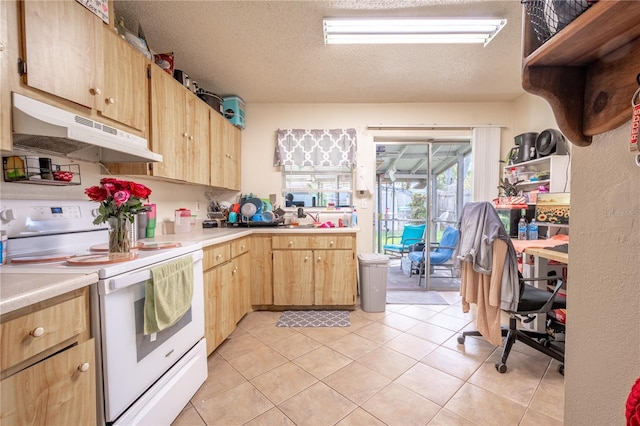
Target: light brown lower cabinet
(226, 288)
(48, 363)
(61, 390)
(314, 270)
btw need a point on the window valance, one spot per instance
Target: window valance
(315, 147)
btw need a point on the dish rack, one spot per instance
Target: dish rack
(548, 17)
(18, 169)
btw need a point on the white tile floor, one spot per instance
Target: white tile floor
(400, 367)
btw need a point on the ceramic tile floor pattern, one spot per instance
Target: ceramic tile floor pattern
(398, 367)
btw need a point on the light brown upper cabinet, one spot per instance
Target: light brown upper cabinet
(125, 97)
(63, 51)
(197, 140)
(225, 153)
(179, 130)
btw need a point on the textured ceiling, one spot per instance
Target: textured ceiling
(273, 51)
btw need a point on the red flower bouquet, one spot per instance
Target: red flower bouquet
(119, 200)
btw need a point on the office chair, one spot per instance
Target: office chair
(440, 254)
(484, 245)
(411, 234)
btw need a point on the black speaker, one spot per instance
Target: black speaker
(551, 141)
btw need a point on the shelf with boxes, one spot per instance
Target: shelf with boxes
(545, 174)
(39, 171)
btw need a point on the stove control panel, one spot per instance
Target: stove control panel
(55, 213)
(29, 218)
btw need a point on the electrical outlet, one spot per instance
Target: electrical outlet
(363, 203)
(198, 205)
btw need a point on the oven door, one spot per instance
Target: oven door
(132, 361)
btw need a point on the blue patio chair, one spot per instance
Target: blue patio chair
(411, 234)
(440, 254)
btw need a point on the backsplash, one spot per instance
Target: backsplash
(166, 195)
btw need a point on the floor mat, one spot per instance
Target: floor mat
(314, 319)
(418, 297)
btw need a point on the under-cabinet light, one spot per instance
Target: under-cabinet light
(410, 30)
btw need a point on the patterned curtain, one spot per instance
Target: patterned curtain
(316, 147)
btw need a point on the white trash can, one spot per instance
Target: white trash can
(373, 281)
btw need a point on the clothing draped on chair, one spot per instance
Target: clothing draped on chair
(491, 280)
(479, 227)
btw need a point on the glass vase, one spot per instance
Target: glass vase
(119, 236)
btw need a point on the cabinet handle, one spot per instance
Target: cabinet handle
(190, 138)
(306, 258)
(319, 258)
(184, 134)
(2, 47)
(218, 256)
(111, 101)
(84, 367)
(95, 91)
(241, 247)
(37, 332)
(331, 242)
(290, 243)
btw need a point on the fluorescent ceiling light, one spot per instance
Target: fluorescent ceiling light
(410, 30)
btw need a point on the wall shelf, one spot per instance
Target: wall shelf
(587, 71)
(16, 169)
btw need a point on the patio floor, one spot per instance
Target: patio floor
(441, 280)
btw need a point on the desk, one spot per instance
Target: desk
(541, 258)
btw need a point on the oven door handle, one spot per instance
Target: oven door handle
(129, 280)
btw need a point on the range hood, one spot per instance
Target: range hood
(44, 128)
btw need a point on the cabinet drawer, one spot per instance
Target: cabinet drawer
(290, 242)
(32, 333)
(216, 255)
(61, 390)
(332, 242)
(239, 246)
(312, 242)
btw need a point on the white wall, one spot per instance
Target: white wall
(603, 332)
(263, 120)
(167, 196)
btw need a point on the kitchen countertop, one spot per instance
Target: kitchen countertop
(19, 290)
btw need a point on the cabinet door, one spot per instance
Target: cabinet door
(125, 97)
(63, 47)
(168, 124)
(261, 270)
(210, 307)
(293, 277)
(6, 53)
(241, 273)
(218, 147)
(234, 151)
(61, 390)
(225, 312)
(335, 281)
(197, 140)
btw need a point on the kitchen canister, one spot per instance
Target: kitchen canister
(183, 221)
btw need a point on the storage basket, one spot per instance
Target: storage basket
(547, 17)
(233, 110)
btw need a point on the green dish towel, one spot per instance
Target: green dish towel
(168, 294)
